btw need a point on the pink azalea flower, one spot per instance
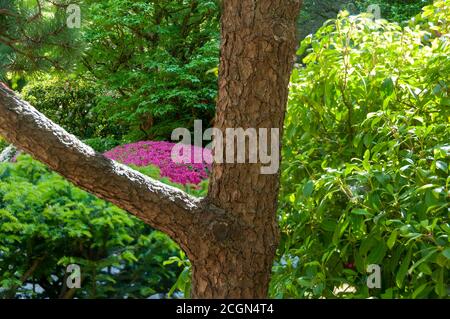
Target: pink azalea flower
(158, 153)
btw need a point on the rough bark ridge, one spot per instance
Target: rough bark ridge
(230, 236)
(257, 54)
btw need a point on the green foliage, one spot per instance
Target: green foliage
(102, 145)
(434, 19)
(46, 224)
(394, 10)
(315, 12)
(35, 37)
(3, 144)
(366, 163)
(183, 283)
(69, 102)
(366, 154)
(158, 54)
(199, 190)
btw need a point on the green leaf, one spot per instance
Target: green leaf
(422, 260)
(129, 256)
(366, 159)
(361, 211)
(440, 287)
(308, 188)
(419, 290)
(377, 253)
(304, 282)
(425, 187)
(446, 253)
(445, 101)
(388, 86)
(392, 239)
(442, 166)
(402, 271)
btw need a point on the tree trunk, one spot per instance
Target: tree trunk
(230, 236)
(257, 55)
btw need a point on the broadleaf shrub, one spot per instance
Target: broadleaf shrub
(69, 102)
(366, 162)
(394, 10)
(102, 145)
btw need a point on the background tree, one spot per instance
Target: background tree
(160, 59)
(365, 161)
(151, 60)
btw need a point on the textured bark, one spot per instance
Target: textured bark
(257, 55)
(230, 236)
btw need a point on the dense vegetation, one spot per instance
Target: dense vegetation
(365, 175)
(47, 224)
(150, 63)
(316, 12)
(366, 155)
(159, 54)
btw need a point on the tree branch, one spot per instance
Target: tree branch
(163, 207)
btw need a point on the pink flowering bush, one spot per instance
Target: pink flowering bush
(158, 153)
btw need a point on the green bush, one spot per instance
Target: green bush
(46, 224)
(315, 12)
(394, 10)
(102, 145)
(366, 162)
(68, 101)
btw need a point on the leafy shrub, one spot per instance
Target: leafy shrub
(46, 224)
(434, 19)
(394, 10)
(102, 145)
(366, 154)
(159, 154)
(68, 102)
